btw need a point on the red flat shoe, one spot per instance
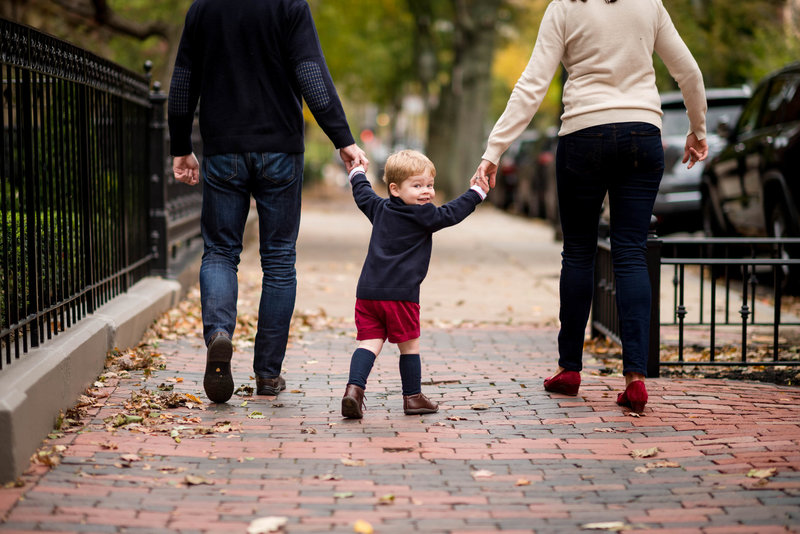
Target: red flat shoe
(634, 396)
(565, 382)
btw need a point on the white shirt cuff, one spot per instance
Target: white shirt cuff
(355, 171)
(479, 190)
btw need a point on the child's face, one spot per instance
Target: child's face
(417, 189)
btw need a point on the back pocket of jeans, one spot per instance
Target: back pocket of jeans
(278, 167)
(584, 152)
(648, 150)
(221, 167)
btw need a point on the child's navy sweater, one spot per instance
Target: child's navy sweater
(402, 235)
(248, 63)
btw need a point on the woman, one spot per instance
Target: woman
(610, 142)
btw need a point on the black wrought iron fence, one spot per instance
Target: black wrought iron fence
(724, 292)
(80, 186)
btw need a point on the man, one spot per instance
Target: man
(249, 64)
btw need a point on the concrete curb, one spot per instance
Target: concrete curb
(48, 379)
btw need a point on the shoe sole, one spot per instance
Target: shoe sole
(351, 409)
(218, 380)
(572, 391)
(267, 390)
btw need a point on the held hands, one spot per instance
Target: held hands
(186, 169)
(353, 156)
(487, 171)
(480, 182)
(695, 150)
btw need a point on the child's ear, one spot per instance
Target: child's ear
(394, 190)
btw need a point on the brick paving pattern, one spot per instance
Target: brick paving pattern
(501, 455)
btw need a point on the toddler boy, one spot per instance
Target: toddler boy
(387, 297)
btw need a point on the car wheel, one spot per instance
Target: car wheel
(782, 225)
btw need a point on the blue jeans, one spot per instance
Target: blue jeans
(627, 161)
(275, 181)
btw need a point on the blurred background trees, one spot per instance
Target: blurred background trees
(432, 75)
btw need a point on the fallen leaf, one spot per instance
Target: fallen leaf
(604, 429)
(263, 525)
(194, 480)
(762, 473)
(386, 499)
(362, 527)
(256, 415)
(613, 526)
(296, 391)
(343, 495)
(480, 407)
(523, 482)
(243, 404)
(308, 430)
(456, 418)
(662, 463)
(353, 463)
(645, 453)
(193, 398)
(642, 469)
(482, 473)
(634, 414)
(130, 458)
(398, 449)
(329, 476)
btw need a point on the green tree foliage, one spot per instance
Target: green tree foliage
(734, 42)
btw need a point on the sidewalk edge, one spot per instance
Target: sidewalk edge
(48, 379)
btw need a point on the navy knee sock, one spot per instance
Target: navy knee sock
(360, 366)
(411, 373)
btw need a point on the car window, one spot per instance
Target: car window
(675, 122)
(775, 100)
(791, 100)
(750, 114)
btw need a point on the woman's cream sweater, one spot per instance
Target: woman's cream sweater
(607, 50)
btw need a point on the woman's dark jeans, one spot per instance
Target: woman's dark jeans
(275, 181)
(625, 160)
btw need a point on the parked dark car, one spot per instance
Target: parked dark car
(511, 161)
(678, 204)
(752, 187)
(535, 173)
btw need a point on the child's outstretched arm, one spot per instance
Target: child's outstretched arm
(365, 197)
(457, 209)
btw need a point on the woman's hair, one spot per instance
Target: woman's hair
(404, 164)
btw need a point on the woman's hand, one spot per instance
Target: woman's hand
(695, 150)
(487, 170)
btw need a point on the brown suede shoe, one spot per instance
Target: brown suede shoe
(270, 386)
(418, 404)
(353, 402)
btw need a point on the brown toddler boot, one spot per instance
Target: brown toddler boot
(353, 402)
(418, 404)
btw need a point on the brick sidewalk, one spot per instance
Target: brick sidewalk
(528, 462)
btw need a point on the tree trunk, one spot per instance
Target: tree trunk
(457, 127)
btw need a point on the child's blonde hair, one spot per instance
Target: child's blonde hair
(404, 164)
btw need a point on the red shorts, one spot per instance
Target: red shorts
(397, 320)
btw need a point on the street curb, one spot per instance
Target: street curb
(48, 379)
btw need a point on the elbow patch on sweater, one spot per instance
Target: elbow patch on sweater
(179, 92)
(312, 84)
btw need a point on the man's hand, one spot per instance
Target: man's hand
(186, 169)
(353, 156)
(695, 150)
(487, 170)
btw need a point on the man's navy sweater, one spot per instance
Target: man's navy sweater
(249, 63)
(402, 236)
